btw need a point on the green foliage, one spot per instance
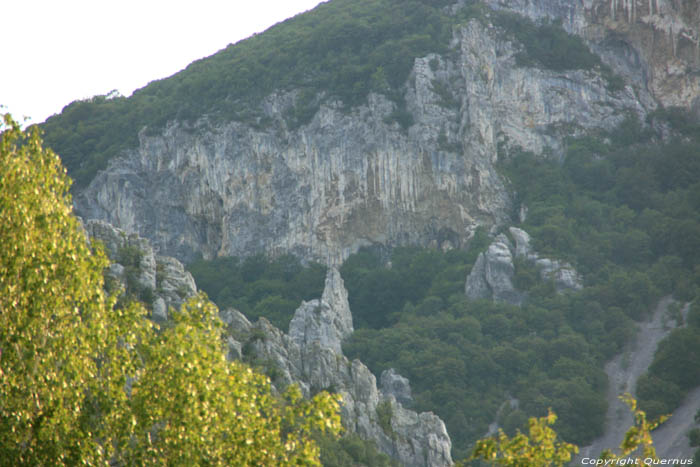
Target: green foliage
(260, 287)
(638, 438)
(213, 411)
(447, 99)
(384, 415)
(85, 382)
(694, 437)
(56, 323)
(351, 451)
(540, 448)
(624, 209)
(672, 373)
(130, 257)
(548, 45)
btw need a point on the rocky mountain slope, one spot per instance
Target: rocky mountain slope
(654, 44)
(492, 275)
(352, 178)
(310, 355)
(418, 168)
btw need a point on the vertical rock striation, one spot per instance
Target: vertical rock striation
(654, 44)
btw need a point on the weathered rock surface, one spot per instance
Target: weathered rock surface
(325, 322)
(392, 383)
(491, 276)
(654, 44)
(353, 178)
(310, 356)
(160, 280)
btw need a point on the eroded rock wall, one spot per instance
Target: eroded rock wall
(353, 178)
(654, 44)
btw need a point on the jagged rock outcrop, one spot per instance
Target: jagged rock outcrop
(325, 322)
(491, 276)
(161, 281)
(654, 44)
(353, 178)
(310, 356)
(392, 383)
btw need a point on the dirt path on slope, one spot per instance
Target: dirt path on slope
(623, 371)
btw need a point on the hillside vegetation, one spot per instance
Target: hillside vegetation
(623, 206)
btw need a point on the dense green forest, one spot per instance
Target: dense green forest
(259, 287)
(625, 207)
(340, 51)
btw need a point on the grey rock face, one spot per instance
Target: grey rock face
(310, 356)
(654, 44)
(425, 435)
(324, 322)
(393, 384)
(161, 278)
(491, 276)
(348, 179)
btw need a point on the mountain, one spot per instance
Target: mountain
(386, 131)
(390, 123)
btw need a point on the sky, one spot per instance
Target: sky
(54, 52)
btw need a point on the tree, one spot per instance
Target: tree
(62, 369)
(85, 381)
(541, 448)
(190, 406)
(638, 439)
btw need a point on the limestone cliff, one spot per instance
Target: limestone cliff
(354, 177)
(159, 281)
(655, 44)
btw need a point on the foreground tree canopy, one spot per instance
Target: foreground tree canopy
(85, 381)
(543, 448)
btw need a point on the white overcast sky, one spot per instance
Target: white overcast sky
(56, 51)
